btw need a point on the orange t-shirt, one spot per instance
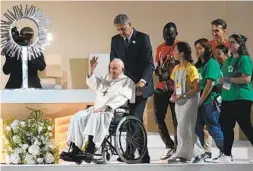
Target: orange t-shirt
(162, 52)
(214, 44)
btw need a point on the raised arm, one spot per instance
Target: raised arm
(91, 80)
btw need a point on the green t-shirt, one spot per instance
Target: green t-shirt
(231, 69)
(210, 71)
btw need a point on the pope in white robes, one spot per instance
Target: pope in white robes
(92, 124)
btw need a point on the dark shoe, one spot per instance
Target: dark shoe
(142, 161)
(64, 153)
(87, 157)
(209, 155)
(70, 157)
(119, 159)
(145, 161)
(177, 160)
(66, 156)
(200, 158)
(127, 157)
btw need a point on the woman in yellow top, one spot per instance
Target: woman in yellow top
(237, 94)
(186, 96)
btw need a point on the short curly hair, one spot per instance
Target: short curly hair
(186, 49)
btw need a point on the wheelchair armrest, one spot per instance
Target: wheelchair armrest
(122, 110)
(119, 113)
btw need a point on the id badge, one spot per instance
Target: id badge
(227, 85)
(200, 77)
(179, 89)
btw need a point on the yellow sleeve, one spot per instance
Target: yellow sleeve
(193, 73)
(172, 76)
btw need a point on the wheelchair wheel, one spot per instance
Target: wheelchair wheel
(98, 158)
(106, 155)
(102, 156)
(131, 130)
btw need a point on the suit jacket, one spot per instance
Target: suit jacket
(13, 67)
(138, 59)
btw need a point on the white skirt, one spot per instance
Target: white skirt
(188, 143)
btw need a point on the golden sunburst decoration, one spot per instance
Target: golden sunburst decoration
(42, 22)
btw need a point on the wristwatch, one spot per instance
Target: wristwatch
(184, 95)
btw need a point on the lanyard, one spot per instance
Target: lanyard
(168, 58)
(182, 76)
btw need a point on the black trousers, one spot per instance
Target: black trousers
(161, 102)
(137, 109)
(232, 112)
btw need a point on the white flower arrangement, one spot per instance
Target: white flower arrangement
(29, 141)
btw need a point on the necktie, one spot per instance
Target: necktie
(126, 42)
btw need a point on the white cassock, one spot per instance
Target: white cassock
(113, 93)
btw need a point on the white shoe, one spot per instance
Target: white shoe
(219, 156)
(167, 154)
(222, 159)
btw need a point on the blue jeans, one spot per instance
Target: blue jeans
(208, 115)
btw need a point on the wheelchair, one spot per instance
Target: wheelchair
(123, 127)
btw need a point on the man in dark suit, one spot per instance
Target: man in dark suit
(135, 50)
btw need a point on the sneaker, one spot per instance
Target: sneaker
(167, 154)
(219, 156)
(223, 159)
(209, 155)
(232, 159)
(209, 159)
(177, 160)
(200, 158)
